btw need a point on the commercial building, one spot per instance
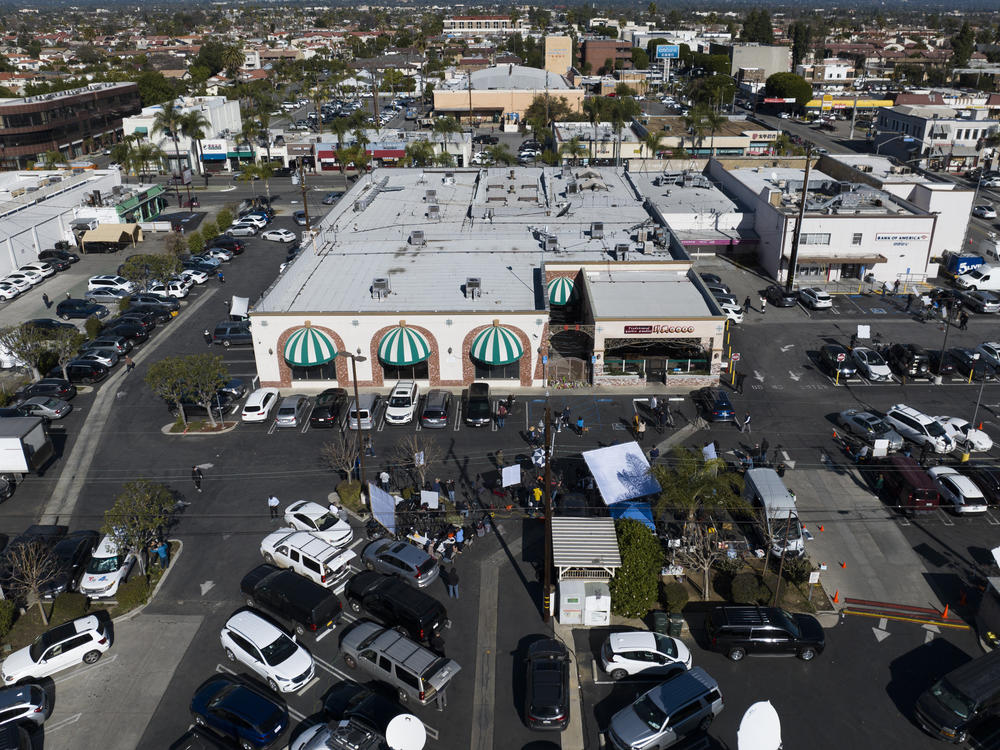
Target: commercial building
(828, 72)
(935, 137)
(517, 277)
(70, 122)
(481, 26)
(388, 147)
(502, 93)
(850, 231)
(40, 208)
(220, 148)
(768, 57)
(558, 54)
(599, 144)
(605, 55)
(735, 136)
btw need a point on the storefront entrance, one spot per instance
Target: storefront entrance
(653, 360)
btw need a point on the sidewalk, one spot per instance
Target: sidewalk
(572, 738)
(860, 532)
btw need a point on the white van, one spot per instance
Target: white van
(986, 278)
(767, 494)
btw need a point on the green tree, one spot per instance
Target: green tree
(65, 345)
(544, 110)
(640, 60)
(690, 483)
(139, 514)
(963, 45)
(801, 35)
(788, 86)
(52, 159)
(223, 218)
(154, 88)
(634, 587)
(195, 126)
(176, 244)
(501, 154)
(653, 143)
(265, 170)
(757, 27)
(445, 127)
(232, 60)
(419, 153)
(196, 242)
(27, 344)
(573, 148)
(147, 157)
(167, 379)
(168, 121)
(205, 374)
(209, 229)
(143, 269)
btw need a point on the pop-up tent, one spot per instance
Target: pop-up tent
(621, 473)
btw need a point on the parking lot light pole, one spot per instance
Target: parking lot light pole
(547, 578)
(355, 358)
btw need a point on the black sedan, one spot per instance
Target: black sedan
(56, 387)
(546, 695)
(968, 361)
(837, 360)
(941, 363)
(329, 405)
(130, 329)
(777, 296)
(715, 405)
(71, 555)
(82, 372)
(80, 308)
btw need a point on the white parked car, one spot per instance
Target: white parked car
(631, 653)
(267, 650)
(259, 404)
(258, 221)
(32, 277)
(8, 291)
(39, 266)
(307, 555)
(920, 428)
(402, 403)
(82, 640)
(20, 283)
(241, 230)
(110, 281)
(193, 274)
(958, 489)
(871, 364)
(984, 212)
(278, 235)
(304, 515)
(815, 298)
(965, 435)
(175, 288)
(107, 570)
(732, 311)
(218, 253)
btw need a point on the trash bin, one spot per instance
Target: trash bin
(676, 625)
(660, 622)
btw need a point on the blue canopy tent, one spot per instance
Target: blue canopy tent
(642, 512)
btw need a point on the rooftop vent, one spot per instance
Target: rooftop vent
(380, 287)
(641, 235)
(430, 196)
(551, 244)
(434, 212)
(597, 230)
(571, 187)
(621, 250)
(512, 174)
(473, 287)
(417, 237)
(449, 178)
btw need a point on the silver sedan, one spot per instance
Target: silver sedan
(868, 427)
(45, 406)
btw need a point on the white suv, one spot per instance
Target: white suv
(106, 571)
(307, 555)
(918, 427)
(402, 403)
(270, 652)
(81, 640)
(110, 281)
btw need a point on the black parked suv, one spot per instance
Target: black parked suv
(396, 604)
(478, 412)
(305, 605)
(777, 296)
(909, 360)
(771, 631)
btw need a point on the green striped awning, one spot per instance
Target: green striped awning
(308, 347)
(141, 130)
(561, 290)
(403, 346)
(497, 346)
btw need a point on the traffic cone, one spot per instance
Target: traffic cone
(836, 596)
(980, 426)
(821, 527)
(843, 565)
(944, 616)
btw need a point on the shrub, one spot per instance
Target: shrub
(68, 606)
(350, 496)
(747, 589)
(93, 327)
(729, 566)
(209, 229)
(196, 243)
(675, 596)
(133, 593)
(223, 219)
(796, 570)
(634, 587)
(7, 612)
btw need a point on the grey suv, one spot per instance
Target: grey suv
(24, 704)
(416, 672)
(410, 563)
(660, 717)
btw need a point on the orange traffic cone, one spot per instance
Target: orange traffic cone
(980, 426)
(821, 527)
(836, 596)
(944, 616)
(843, 565)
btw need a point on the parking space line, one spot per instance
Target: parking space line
(458, 416)
(945, 519)
(991, 519)
(63, 723)
(324, 634)
(272, 428)
(305, 422)
(308, 685)
(90, 668)
(331, 669)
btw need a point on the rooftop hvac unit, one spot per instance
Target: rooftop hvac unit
(449, 178)
(417, 237)
(641, 235)
(621, 250)
(511, 174)
(597, 230)
(473, 287)
(571, 187)
(380, 287)
(430, 195)
(434, 212)
(116, 190)
(659, 234)
(551, 244)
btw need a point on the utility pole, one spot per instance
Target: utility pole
(302, 184)
(547, 582)
(469, 81)
(854, 116)
(794, 259)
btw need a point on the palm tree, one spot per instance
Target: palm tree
(653, 141)
(123, 153)
(50, 159)
(248, 173)
(145, 154)
(340, 128)
(194, 125)
(592, 108)
(712, 121)
(232, 60)
(694, 121)
(617, 117)
(418, 154)
(249, 133)
(167, 121)
(318, 95)
(445, 127)
(501, 154)
(572, 149)
(265, 171)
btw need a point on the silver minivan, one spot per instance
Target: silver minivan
(437, 404)
(363, 411)
(660, 717)
(417, 673)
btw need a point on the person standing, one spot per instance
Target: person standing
(46, 301)
(640, 430)
(221, 277)
(746, 305)
(745, 427)
(579, 426)
(501, 415)
(129, 364)
(383, 479)
(453, 582)
(652, 403)
(740, 377)
(459, 540)
(895, 287)
(763, 305)
(510, 403)
(909, 301)
(446, 579)
(163, 553)
(196, 476)
(450, 486)
(963, 322)
(207, 335)
(532, 437)
(272, 506)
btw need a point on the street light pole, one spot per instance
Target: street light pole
(355, 358)
(302, 184)
(547, 578)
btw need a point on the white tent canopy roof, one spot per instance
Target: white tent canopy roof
(621, 472)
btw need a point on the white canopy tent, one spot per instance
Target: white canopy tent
(621, 472)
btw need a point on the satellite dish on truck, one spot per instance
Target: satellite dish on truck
(406, 732)
(760, 728)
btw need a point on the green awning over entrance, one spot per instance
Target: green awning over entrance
(141, 130)
(497, 346)
(561, 291)
(308, 347)
(403, 346)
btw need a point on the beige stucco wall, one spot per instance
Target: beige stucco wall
(506, 100)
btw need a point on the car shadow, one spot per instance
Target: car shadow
(918, 669)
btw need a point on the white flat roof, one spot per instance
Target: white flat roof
(706, 198)
(637, 294)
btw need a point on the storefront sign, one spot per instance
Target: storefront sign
(763, 135)
(213, 150)
(639, 330)
(900, 240)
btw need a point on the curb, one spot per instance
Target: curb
(166, 430)
(152, 595)
(572, 737)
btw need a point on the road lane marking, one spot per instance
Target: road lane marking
(62, 723)
(84, 670)
(304, 688)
